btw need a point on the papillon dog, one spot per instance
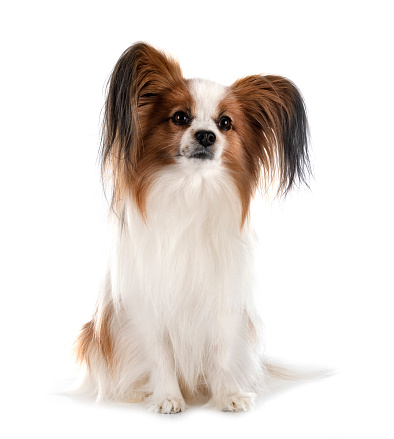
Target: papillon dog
(176, 317)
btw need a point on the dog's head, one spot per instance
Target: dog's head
(256, 129)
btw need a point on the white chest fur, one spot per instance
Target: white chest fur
(189, 250)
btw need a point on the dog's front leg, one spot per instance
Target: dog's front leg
(231, 373)
(166, 396)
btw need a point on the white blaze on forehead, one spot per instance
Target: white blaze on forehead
(207, 96)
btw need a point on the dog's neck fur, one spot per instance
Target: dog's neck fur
(192, 229)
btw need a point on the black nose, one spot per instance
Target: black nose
(205, 138)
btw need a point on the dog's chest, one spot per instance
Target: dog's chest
(191, 257)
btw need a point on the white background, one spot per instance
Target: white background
(325, 262)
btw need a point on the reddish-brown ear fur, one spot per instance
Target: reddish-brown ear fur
(273, 129)
(138, 84)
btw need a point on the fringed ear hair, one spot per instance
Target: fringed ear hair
(141, 74)
(276, 133)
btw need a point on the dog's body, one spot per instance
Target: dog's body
(176, 316)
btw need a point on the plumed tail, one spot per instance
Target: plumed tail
(280, 377)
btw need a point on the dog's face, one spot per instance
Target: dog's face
(205, 125)
(255, 129)
(188, 124)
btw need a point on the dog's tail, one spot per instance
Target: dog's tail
(279, 376)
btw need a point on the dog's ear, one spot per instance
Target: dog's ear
(141, 75)
(276, 132)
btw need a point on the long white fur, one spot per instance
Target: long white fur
(181, 282)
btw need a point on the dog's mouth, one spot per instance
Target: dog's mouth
(195, 153)
(200, 155)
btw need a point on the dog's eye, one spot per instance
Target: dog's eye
(180, 118)
(224, 123)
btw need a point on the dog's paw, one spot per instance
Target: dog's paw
(169, 406)
(237, 402)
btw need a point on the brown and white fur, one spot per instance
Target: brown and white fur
(175, 317)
